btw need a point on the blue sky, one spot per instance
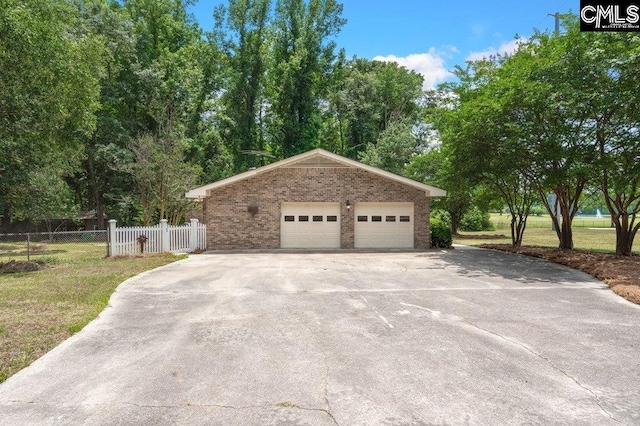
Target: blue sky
(432, 36)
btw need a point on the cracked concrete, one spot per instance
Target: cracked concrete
(548, 361)
(460, 337)
(326, 388)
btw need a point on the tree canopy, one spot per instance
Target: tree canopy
(557, 117)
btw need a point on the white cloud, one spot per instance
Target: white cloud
(478, 29)
(449, 50)
(430, 65)
(505, 48)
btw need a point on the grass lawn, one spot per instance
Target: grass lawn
(599, 240)
(38, 310)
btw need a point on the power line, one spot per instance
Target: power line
(557, 23)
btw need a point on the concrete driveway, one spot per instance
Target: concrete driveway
(466, 336)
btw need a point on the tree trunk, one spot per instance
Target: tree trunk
(91, 181)
(49, 229)
(95, 196)
(518, 226)
(454, 225)
(562, 224)
(100, 212)
(566, 236)
(514, 234)
(624, 241)
(625, 233)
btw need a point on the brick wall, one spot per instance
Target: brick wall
(231, 226)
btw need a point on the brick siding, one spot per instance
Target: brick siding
(231, 226)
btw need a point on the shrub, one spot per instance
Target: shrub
(440, 234)
(538, 210)
(441, 215)
(476, 220)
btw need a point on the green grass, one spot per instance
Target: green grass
(590, 239)
(501, 222)
(38, 310)
(51, 251)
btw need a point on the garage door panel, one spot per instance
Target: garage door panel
(384, 225)
(310, 225)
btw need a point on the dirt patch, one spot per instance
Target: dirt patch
(621, 273)
(15, 266)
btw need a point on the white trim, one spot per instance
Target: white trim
(202, 191)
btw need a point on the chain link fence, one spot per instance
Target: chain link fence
(61, 246)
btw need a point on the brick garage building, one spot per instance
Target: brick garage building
(316, 200)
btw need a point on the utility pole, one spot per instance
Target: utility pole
(557, 18)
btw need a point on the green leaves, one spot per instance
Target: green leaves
(49, 91)
(301, 57)
(161, 176)
(556, 117)
(393, 149)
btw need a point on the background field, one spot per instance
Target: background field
(503, 221)
(587, 235)
(41, 246)
(54, 252)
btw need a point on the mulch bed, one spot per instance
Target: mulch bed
(134, 256)
(621, 273)
(480, 236)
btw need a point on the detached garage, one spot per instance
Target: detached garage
(316, 200)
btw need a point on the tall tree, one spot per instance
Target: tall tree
(302, 55)
(160, 174)
(541, 114)
(158, 65)
(49, 90)
(611, 72)
(555, 124)
(100, 182)
(242, 30)
(168, 67)
(365, 97)
(482, 144)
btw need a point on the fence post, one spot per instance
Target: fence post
(112, 238)
(193, 235)
(28, 247)
(164, 229)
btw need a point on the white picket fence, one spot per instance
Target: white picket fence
(160, 238)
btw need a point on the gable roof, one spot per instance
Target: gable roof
(315, 158)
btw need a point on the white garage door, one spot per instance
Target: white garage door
(384, 225)
(310, 225)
